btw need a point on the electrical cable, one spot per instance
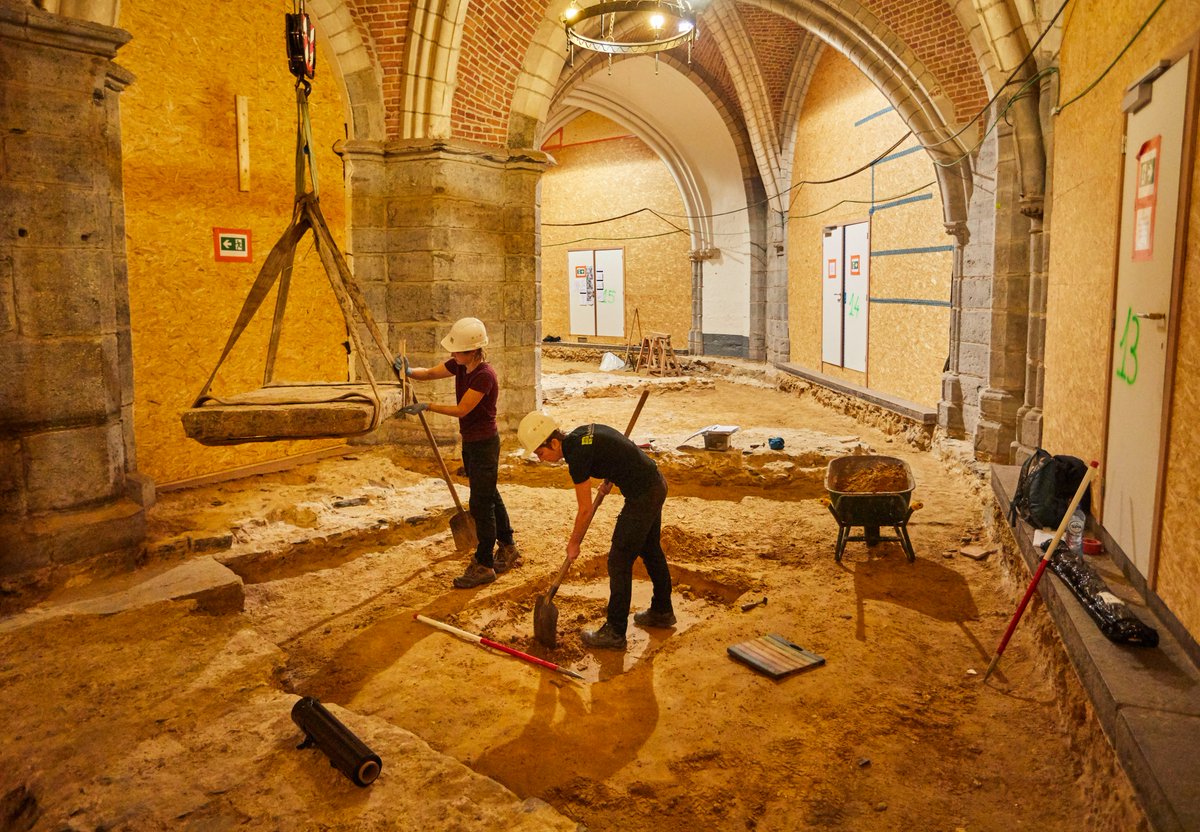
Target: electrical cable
(1022, 92)
(882, 200)
(1120, 54)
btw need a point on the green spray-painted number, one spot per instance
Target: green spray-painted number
(1129, 344)
(608, 296)
(853, 305)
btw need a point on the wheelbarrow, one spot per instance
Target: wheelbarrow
(870, 491)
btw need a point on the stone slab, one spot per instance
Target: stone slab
(215, 588)
(290, 412)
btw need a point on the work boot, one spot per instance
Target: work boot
(476, 575)
(653, 618)
(606, 637)
(507, 557)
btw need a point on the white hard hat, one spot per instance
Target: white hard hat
(467, 334)
(535, 429)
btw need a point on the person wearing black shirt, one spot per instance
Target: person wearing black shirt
(601, 452)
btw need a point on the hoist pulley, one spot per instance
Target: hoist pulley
(301, 44)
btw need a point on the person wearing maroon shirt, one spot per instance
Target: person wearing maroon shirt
(476, 389)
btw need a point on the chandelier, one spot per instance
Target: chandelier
(630, 27)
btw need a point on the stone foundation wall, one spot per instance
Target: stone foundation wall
(67, 463)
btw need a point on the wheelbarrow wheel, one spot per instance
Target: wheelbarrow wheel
(872, 535)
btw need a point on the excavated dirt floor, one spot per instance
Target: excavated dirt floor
(163, 716)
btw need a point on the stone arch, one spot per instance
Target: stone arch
(355, 67)
(847, 26)
(569, 100)
(431, 67)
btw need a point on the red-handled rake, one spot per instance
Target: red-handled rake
(495, 645)
(1037, 576)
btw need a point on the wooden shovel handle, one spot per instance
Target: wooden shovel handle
(441, 462)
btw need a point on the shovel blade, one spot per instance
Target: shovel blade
(545, 621)
(462, 526)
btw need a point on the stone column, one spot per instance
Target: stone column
(69, 488)
(1029, 417)
(778, 345)
(441, 231)
(951, 417)
(1008, 319)
(696, 333)
(971, 300)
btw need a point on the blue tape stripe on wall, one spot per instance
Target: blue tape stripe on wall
(899, 154)
(921, 250)
(911, 301)
(865, 119)
(899, 202)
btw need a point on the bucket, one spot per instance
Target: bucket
(716, 441)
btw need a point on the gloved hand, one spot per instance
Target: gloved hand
(401, 365)
(415, 408)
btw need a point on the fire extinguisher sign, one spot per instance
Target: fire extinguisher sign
(232, 245)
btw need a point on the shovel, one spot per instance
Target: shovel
(545, 614)
(462, 524)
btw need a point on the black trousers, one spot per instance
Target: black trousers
(638, 533)
(482, 461)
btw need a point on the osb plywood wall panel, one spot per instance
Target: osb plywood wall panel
(1179, 557)
(1087, 163)
(604, 172)
(1082, 279)
(909, 342)
(181, 180)
(906, 342)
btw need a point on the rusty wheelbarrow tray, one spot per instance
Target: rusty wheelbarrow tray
(870, 491)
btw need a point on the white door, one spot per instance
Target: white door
(856, 266)
(610, 292)
(1149, 207)
(581, 286)
(831, 296)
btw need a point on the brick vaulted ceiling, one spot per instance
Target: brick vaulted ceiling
(496, 36)
(777, 42)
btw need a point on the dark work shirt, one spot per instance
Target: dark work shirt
(480, 423)
(603, 453)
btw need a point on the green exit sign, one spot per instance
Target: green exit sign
(232, 244)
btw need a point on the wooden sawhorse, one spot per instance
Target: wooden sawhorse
(657, 355)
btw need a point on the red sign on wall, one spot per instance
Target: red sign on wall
(1145, 203)
(232, 244)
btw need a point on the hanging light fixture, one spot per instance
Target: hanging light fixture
(630, 27)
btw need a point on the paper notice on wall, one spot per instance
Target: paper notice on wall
(1146, 200)
(1143, 232)
(585, 292)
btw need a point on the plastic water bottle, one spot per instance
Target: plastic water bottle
(1075, 531)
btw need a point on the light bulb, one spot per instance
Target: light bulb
(571, 13)
(657, 21)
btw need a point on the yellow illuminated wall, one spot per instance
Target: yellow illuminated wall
(1082, 281)
(181, 181)
(845, 123)
(603, 171)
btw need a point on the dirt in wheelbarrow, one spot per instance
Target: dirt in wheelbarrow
(173, 718)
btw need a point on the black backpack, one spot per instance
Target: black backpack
(1045, 488)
